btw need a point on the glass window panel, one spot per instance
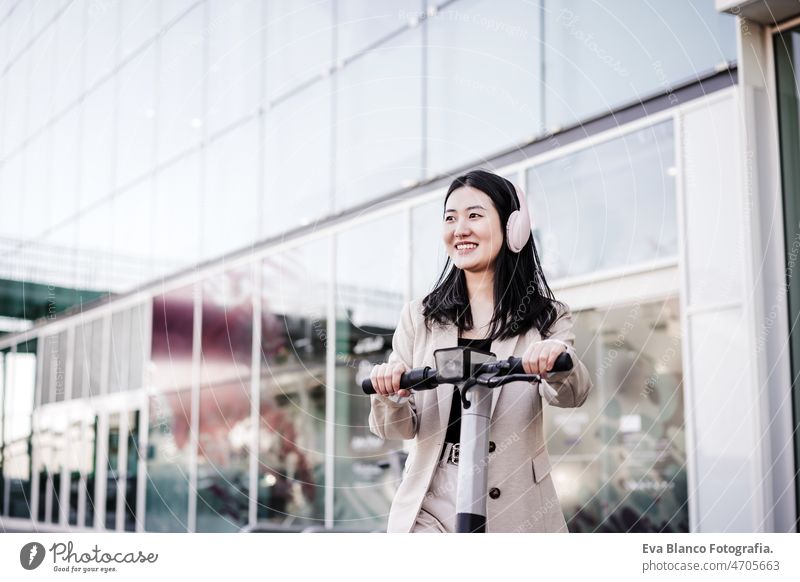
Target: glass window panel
(597, 58)
(231, 194)
(70, 35)
(139, 25)
(297, 160)
(379, 121)
(484, 80)
(132, 233)
(291, 454)
(235, 63)
(13, 190)
(54, 364)
(132, 471)
(94, 239)
(223, 462)
(97, 141)
(620, 460)
(42, 72)
(119, 349)
(172, 10)
(17, 440)
(176, 222)
(87, 358)
(370, 278)
(361, 23)
(136, 116)
(35, 204)
(575, 202)
(64, 202)
(113, 469)
(16, 101)
(428, 254)
(50, 454)
(181, 85)
(298, 42)
(168, 456)
(227, 328)
(171, 356)
(226, 356)
(75, 463)
(102, 20)
(89, 455)
(139, 343)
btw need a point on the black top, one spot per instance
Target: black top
(454, 422)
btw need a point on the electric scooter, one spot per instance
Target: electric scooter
(475, 373)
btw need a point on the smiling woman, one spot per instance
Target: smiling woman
(492, 295)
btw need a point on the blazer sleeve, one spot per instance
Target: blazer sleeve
(566, 389)
(395, 417)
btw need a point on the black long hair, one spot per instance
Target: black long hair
(522, 298)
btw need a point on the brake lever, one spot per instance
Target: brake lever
(495, 381)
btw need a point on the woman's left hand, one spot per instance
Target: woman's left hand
(541, 356)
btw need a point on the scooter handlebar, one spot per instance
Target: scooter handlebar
(425, 378)
(417, 379)
(563, 363)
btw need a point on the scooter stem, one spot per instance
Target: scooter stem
(473, 466)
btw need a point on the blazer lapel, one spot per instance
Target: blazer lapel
(447, 337)
(503, 349)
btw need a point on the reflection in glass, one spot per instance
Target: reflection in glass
(168, 455)
(53, 367)
(428, 254)
(298, 43)
(74, 450)
(112, 470)
(291, 429)
(131, 471)
(17, 438)
(234, 47)
(621, 458)
(87, 359)
(379, 121)
(298, 130)
(181, 83)
(576, 200)
(484, 80)
(597, 57)
(369, 300)
(231, 194)
(223, 461)
(362, 23)
(176, 226)
(171, 355)
(127, 349)
(89, 468)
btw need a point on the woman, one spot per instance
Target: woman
(494, 296)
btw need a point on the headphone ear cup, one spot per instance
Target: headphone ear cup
(518, 227)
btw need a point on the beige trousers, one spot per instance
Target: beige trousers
(438, 511)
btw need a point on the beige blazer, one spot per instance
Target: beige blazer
(519, 466)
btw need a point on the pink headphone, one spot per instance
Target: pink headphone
(518, 227)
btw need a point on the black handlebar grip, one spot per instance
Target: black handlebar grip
(562, 364)
(418, 378)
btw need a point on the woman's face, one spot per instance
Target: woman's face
(471, 230)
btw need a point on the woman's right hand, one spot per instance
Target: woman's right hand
(386, 379)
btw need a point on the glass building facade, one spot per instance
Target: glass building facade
(214, 211)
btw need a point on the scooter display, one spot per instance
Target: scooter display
(475, 373)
